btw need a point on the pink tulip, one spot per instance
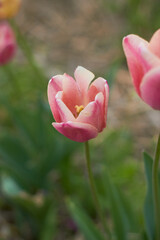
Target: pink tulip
(143, 60)
(7, 43)
(79, 107)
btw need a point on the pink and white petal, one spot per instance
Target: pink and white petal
(92, 92)
(106, 99)
(131, 49)
(64, 113)
(131, 44)
(99, 83)
(54, 86)
(154, 44)
(96, 86)
(148, 59)
(79, 132)
(71, 93)
(100, 99)
(150, 88)
(83, 78)
(93, 113)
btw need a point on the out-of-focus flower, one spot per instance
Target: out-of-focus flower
(7, 43)
(79, 107)
(9, 8)
(143, 60)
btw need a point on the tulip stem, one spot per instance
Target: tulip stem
(12, 78)
(28, 53)
(155, 171)
(94, 191)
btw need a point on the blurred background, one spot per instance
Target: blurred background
(42, 173)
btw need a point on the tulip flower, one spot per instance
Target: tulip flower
(143, 60)
(79, 107)
(7, 43)
(9, 8)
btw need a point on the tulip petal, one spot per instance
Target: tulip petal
(79, 132)
(64, 113)
(71, 92)
(54, 86)
(106, 98)
(154, 44)
(100, 99)
(96, 86)
(83, 78)
(100, 85)
(131, 48)
(93, 113)
(148, 59)
(150, 88)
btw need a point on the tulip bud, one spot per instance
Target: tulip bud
(7, 43)
(9, 8)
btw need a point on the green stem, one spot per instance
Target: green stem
(93, 190)
(156, 189)
(40, 77)
(12, 78)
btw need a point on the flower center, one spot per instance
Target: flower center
(79, 109)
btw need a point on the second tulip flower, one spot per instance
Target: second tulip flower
(7, 43)
(143, 60)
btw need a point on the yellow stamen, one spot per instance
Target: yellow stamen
(79, 109)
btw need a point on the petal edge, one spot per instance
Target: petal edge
(150, 88)
(79, 132)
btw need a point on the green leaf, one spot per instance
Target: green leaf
(117, 213)
(148, 205)
(84, 223)
(16, 115)
(17, 173)
(14, 148)
(9, 186)
(14, 162)
(130, 217)
(50, 224)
